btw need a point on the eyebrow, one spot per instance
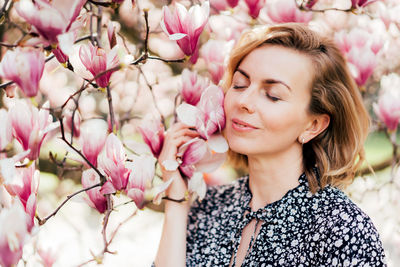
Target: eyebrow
(266, 81)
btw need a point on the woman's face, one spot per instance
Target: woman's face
(266, 105)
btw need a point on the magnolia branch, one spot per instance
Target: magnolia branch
(111, 110)
(43, 221)
(146, 55)
(153, 96)
(84, 86)
(105, 223)
(102, 178)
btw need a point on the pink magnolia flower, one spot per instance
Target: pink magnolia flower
(142, 173)
(363, 62)
(198, 155)
(13, 233)
(25, 186)
(48, 257)
(193, 86)
(286, 11)
(185, 26)
(218, 5)
(254, 7)
(208, 116)
(361, 3)
(152, 132)
(214, 53)
(30, 126)
(92, 138)
(50, 19)
(97, 60)
(5, 129)
(355, 38)
(74, 123)
(24, 66)
(113, 164)
(388, 107)
(96, 199)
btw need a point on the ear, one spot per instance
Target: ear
(316, 126)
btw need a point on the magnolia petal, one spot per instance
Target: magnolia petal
(187, 114)
(177, 36)
(137, 196)
(66, 41)
(217, 143)
(107, 188)
(197, 185)
(211, 162)
(170, 165)
(7, 170)
(158, 191)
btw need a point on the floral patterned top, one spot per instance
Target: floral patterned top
(301, 229)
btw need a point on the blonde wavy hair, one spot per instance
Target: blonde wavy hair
(333, 156)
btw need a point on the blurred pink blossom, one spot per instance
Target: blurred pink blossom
(92, 138)
(113, 164)
(30, 125)
(361, 3)
(48, 257)
(355, 38)
(388, 107)
(142, 173)
(214, 53)
(218, 5)
(96, 199)
(185, 26)
(74, 123)
(193, 86)
(5, 129)
(152, 132)
(286, 11)
(24, 66)
(97, 60)
(13, 233)
(25, 186)
(254, 7)
(363, 62)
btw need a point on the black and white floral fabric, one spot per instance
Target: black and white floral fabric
(301, 229)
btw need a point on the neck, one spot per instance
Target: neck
(270, 178)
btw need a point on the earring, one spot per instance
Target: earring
(302, 140)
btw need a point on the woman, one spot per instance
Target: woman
(295, 119)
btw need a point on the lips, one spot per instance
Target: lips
(240, 125)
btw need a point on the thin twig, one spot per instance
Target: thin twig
(102, 178)
(180, 60)
(111, 109)
(8, 45)
(153, 96)
(105, 223)
(43, 221)
(101, 3)
(89, 82)
(4, 7)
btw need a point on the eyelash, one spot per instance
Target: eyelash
(273, 98)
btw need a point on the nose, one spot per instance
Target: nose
(247, 99)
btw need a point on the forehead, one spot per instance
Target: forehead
(278, 62)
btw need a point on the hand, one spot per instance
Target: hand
(177, 135)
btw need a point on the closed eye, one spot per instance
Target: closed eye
(238, 87)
